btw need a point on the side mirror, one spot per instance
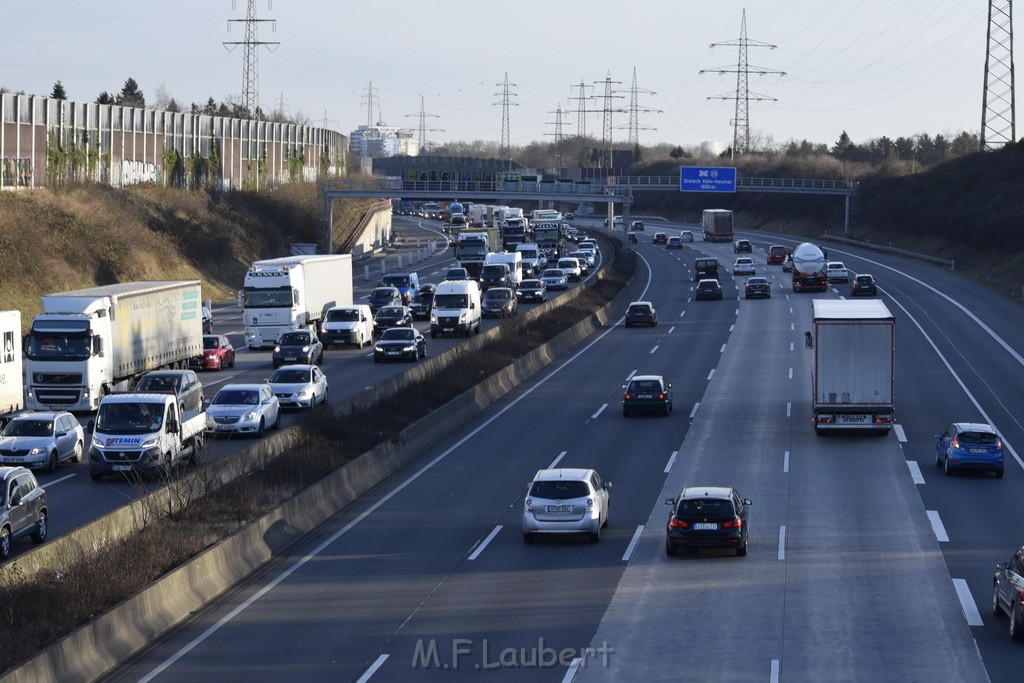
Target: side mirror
(670, 501)
(1003, 566)
(172, 427)
(746, 501)
(607, 484)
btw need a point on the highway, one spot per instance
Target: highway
(866, 563)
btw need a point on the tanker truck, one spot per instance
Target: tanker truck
(809, 268)
(90, 342)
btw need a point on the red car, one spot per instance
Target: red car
(217, 353)
(776, 254)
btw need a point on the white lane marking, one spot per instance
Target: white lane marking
(791, 373)
(956, 376)
(630, 375)
(694, 411)
(570, 673)
(792, 327)
(599, 411)
(789, 409)
(373, 669)
(48, 484)
(655, 348)
(223, 379)
(683, 313)
(483, 544)
(790, 308)
(671, 329)
(782, 542)
(737, 310)
(915, 472)
(632, 544)
(790, 346)
(901, 435)
(967, 603)
(711, 374)
(937, 526)
(302, 561)
(556, 460)
(785, 461)
(722, 350)
(773, 676)
(732, 327)
(671, 461)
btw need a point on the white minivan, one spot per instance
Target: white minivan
(456, 308)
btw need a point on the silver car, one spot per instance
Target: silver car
(299, 386)
(42, 440)
(555, 278)
(566, 501)
(243, 409)
(22, 508)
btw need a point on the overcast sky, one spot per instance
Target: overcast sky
(870, 67)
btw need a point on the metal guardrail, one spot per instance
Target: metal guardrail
(820, 186)
(949, 263)
(446, 189)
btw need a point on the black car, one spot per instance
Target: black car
(298, 346)
(646, 394)
(863, 284)
(743, 246)
(632, 239)
(495, 275)
(532, 290)
(456, 274)
(756, 287)
(384, 296)
(707, 517)
(422, 303)
(708, 289)
(499, 302)
(391, 316)
(641, 313)
(400, 343)
(659, 238)
(1008, 593)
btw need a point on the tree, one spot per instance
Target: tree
(842, 145)
(105, 98)
(58, 92)
(130, 95)
(678, 152)
(173, 105)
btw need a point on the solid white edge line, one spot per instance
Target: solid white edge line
(574, 666)
(599, 411)
(694, 411)
(901, 435)
(655, 348)
(773, 676)
(301, 562)
(915, 472)
(937, 527)
(56, 481)
(782, 542)
(671, 461)
(483, 544)
(789, 409)
(373, 669)
(785, 461)
(557, 460)
(967, 602)
(711, 374)
(632, 544)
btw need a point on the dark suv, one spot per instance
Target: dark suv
(863, 284)
(708, 289)
(641, 313)
(1008, 593)
(707, 517)
(741, 246)
(22, 508)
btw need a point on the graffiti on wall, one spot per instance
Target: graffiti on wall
(135, 172)
(17, 171)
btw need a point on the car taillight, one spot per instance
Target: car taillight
(661, 396)
(955, 443)
(627, 397)
(734, 524)
(678, 524)
(999, 443)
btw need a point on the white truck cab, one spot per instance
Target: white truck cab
(347, 325)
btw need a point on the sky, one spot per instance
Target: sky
(869, 67)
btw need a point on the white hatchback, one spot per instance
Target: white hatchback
(566, 501)
(743, 266)
(837, 272)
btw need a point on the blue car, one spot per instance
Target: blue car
(969, 446)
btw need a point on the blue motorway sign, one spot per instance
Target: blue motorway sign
(707, 179)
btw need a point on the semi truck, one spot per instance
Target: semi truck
(717, 225)
(809, 273)
(477, 215)
(548, 235)
(12, 387)
(472, 248)
(91, 342)
(853, 345)
(292, 293)
(144, 434)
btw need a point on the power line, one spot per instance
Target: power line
(506, 102)
(370, 99)
(606, 118)
(558, 134)
(998, 110)
(423, 115)
(251, 61)
(635, 110)
(743, 96)
(581, 110)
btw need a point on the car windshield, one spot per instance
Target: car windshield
(397, 280)
(294, 339)
(342, 315)
(390, 311)
(559, 490)
(709, 506)
(157, 383)
(397, 333)
(382, 294)
(639, 385)
(500, 294)
(442, 301)
(29, 428)
(757, 281)
(237, 397)
(129, 418)
(553, 273)
(290, 376)
(211, 343)
(978, 438)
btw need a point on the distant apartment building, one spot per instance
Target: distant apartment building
(383, 141)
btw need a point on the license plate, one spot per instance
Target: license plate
(979, 450)
(14, 460)
(121, 468)
(448, 329)
(853, 419)
(391, 353)
(225, 428)
(291, 358)
(645, 395)
(559, 508)
(705, 526)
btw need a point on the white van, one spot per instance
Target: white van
(347, 325)
(456, 308)
(514, 261)
(533, 258)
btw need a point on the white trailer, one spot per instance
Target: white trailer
(90, 342)
(12, 387)
(853, 362)
(292, 293)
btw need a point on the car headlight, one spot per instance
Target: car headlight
(251, 416)
(97, 443)
(305, 393)
(305, 349)
(277, 349)
(378, 349)
(463, 317)
(149, 443)
(36, 451)
(410, 347)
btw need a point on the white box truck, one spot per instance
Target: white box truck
(91, 342)
(853, 360)
(12, 387)
(292, 293)
(514, 261)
